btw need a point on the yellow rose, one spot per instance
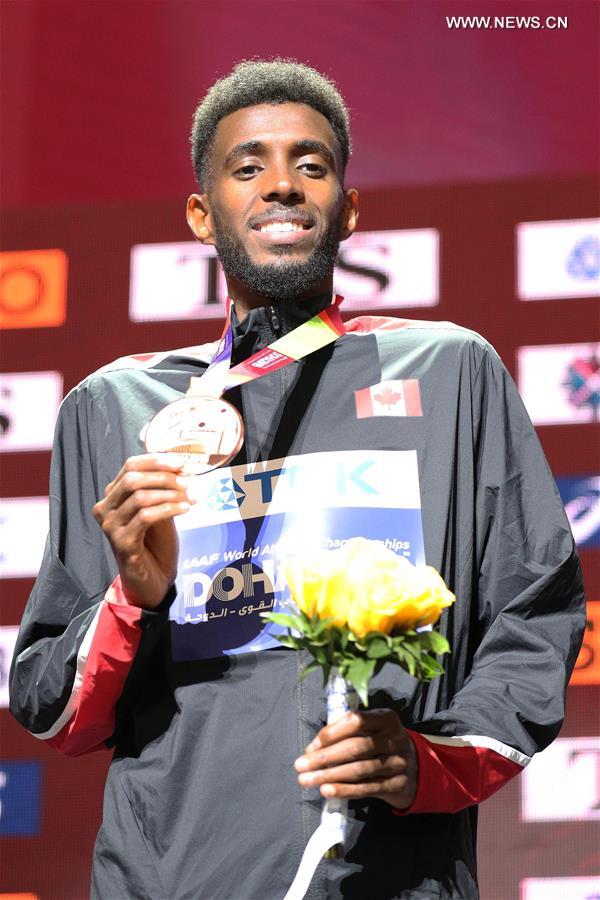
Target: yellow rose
(368, 587)
(304, 580)
(318, 587)
(428, 596)
(378, 589)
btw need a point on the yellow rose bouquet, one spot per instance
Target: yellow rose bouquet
(362, 606)
(358, 607)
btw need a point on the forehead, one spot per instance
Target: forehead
(274, 125)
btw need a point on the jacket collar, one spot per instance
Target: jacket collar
(265, 324)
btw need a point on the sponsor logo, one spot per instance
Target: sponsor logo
(389, 398)
(20, 787)
(584, 260)
(558, 259)
(587, 667)
(575, 796)
(375, 270)
(582, 382)
(29, 404)
(581, 497)
(268, 360)
(239, 580)
(19, 897)
(560, 383)
(226, 494)
(8, 637)
(23, 528)
(176, 281)
(578, 887)
(389, 269)
(33, 288)
(340, 480)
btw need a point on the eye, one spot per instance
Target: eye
(247, 171)
(313, 169)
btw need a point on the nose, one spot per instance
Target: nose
(283, 183)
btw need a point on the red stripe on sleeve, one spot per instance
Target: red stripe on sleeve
(453, 778)
(112, 651)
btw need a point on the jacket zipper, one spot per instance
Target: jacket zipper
(275, 321)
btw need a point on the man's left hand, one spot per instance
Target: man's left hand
(364, 754)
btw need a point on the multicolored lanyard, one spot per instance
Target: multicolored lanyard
(321, 330)
(206, 429)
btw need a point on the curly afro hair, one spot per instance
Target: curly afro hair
(275, 81)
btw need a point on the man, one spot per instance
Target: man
(201, 799)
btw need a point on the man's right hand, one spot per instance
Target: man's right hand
(136, 516)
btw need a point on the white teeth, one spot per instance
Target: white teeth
(280, 227)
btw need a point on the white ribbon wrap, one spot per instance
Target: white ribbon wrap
(341, 699)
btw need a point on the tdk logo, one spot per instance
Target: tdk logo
(345, 479)
(583, 262)
(226, 494)
(340, 479)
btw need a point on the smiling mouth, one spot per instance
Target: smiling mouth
(281, 227)
(283, 232)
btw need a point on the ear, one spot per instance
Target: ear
(199, 218)
(350, 217)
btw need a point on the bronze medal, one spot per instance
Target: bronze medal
(207, 431)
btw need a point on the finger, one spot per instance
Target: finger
(134, 481)
(349, 750)
(126, 539)
(355, 723)
(142, 499)
(382, 788)
(367, 770)
(146, 462)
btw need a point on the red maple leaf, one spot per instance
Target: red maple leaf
(387, 397)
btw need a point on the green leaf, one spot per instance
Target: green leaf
(283, 619)
(311, 667)
(358, 673)
(321, 642)
(319, 654)
(413, 648)
(289, 641)
(411, 665)
(432, 664)
(433, 640)
(377, 648)
(406, 660)
(321, 625)
(306, 619)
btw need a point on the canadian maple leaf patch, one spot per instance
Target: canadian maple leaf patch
(389, 398)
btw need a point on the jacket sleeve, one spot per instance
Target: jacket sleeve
(78, 637)
(528, 612)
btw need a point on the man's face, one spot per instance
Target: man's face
(275, 206)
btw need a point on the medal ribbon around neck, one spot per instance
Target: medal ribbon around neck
(206, 429)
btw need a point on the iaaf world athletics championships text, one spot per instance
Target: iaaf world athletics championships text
(507, 22)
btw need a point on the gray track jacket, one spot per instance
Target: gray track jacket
(201, 800)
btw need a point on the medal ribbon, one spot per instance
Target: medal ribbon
(321, 330)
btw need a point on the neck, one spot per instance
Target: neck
(245, 300)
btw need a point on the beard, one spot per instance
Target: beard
(283, 280)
